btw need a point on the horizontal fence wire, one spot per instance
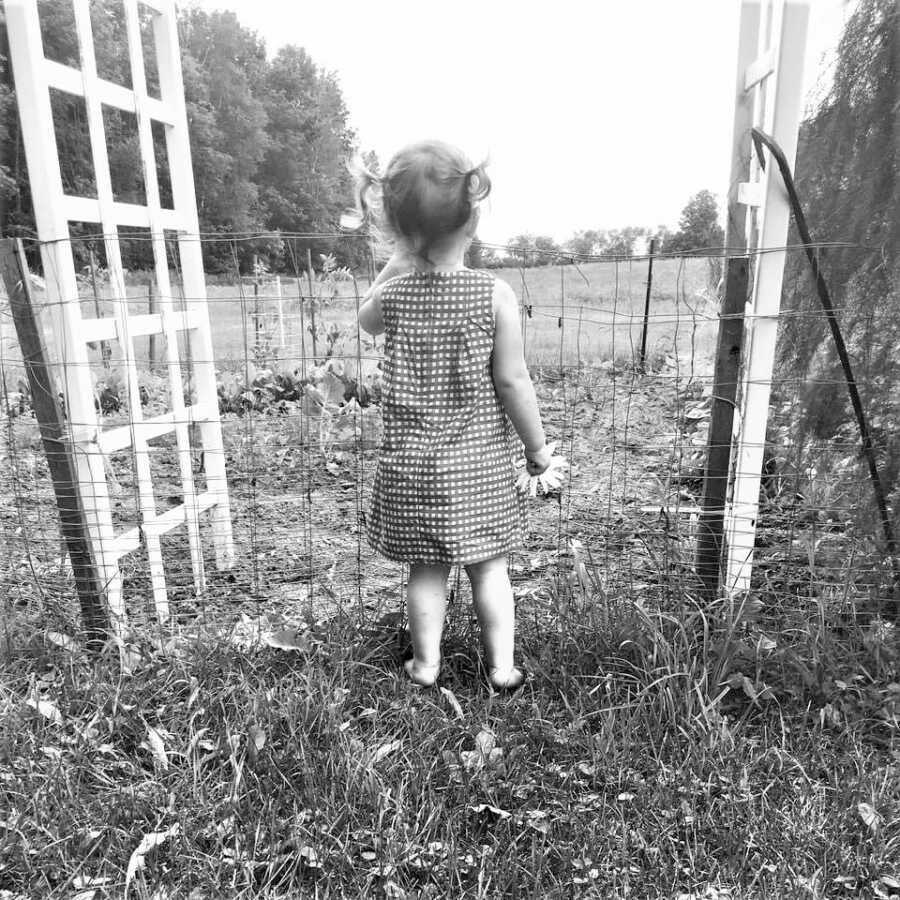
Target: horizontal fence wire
(299, 394)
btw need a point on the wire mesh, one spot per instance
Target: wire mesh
(299, 389)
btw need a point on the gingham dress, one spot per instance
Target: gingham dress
(444, 487)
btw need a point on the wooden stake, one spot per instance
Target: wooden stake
(73, 520)
(312, 301)
(718, 445)
(643, 357)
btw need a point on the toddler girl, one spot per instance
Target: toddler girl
(454, 372)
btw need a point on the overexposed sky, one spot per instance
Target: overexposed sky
(593, 113)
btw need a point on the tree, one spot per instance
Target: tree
(662, 236)
(224, 67)
(523, 250)
(620, 242)
(547, 250)
(583, 243)
(304, 180)
(848, 183)
(698, 227)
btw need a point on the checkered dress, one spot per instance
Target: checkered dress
(445, 485)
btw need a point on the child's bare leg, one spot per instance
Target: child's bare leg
(493, 598)
(426, 602)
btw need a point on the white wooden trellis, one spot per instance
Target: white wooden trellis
(35, 76)
(771, 55)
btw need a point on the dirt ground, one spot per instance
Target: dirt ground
(297, 506)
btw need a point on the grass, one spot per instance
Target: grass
(599, 320)
(633, 763)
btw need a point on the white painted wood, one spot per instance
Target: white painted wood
(109, 223)
(54, 210)
(737, 214)
(750, 193)
(778, 102)
(759, 69)
(26, 55)
(161, 267)
(65, 78)
(194, 282)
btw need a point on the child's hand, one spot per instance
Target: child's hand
(538, 462)
(541, 468)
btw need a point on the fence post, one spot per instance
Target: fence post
(643, 357)
(73, 520)
(279, 298)
(312, 302)
(718, 443)
(256, 323)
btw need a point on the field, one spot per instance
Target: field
(265, 745)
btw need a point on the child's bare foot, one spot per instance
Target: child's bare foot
(506, 678)
(420, 673)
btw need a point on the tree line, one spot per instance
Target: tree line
(698, 233)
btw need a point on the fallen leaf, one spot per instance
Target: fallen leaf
(385, 750)
(310, 857)
(485, 752)
(482, 807)
(257, 735)
(62, 640)
(156, 746)
(454, 703)
(47, 709)
(869, 815)
(86, 881)
(138, 857)
(287, 639)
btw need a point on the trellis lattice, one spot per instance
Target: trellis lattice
(35, 77)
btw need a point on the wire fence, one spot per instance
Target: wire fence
(299, 390)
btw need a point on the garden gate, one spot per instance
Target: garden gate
(35, 77)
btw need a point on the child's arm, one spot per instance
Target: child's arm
(370, 318)
(512, 381)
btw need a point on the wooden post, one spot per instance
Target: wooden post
(73, 520)
(256, 322)
(718, 443)
(643, 357)
(312, 301)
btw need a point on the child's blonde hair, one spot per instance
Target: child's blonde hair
(429, 190)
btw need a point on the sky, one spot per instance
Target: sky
(592, 113)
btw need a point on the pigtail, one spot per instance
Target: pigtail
(367, 195)
(478, 182)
